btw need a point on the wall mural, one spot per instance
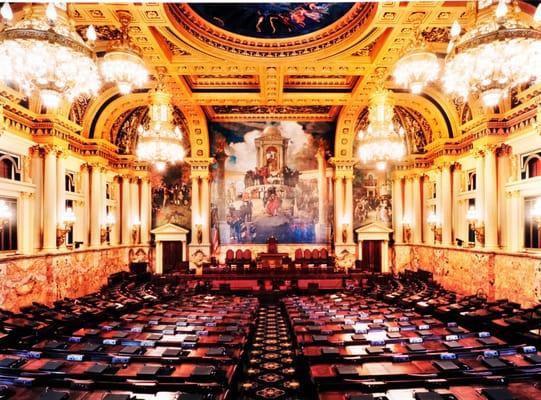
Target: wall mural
(269, 181)
(171, 189)
(372, 200)
(272, 20)
(172, 196)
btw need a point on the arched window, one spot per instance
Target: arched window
(10, 166)
(530, 165)
(534, 167)
(6, 168)
(472, 181)
(532, 233)
(69, 183)
(8, 228)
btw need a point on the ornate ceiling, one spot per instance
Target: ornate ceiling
(274, 61)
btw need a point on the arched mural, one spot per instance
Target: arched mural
(271, 180)
(272, 20)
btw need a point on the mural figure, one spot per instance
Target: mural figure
(272, 20)
(371, 197)
(171, 196)
(265, 183)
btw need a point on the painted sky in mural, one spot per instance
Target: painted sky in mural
(266, 182)
(272, 20)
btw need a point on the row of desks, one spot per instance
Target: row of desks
(356, 345)
(186, 348)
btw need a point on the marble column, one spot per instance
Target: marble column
(96, 202)
(515, 232)
(416, 215)
(146, 206)
(37, 180)
(446, 205)
(25, 219)
(398, 211)
(457, 204)
(338, 208)
(205, 208)
(504, 170)
(159, 257)
(427, 189)
(384, 256)
(348, 206)
(61, 191)
(125, 210)
(85, 191)
(321, 233)
(408, 199)
(49, 200)
(135, 215)
(79, 209)
(104, 200)
(115, 193)
(491, 199)
(196, 213)
(480, 188)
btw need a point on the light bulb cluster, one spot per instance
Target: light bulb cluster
(417, 67)
(161, 142)
(500, 52)
(42, 53)
(381, 141)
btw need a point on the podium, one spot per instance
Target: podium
(272, 258)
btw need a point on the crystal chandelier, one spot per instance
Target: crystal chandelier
(122, 64)
(501, 51)
(42, 53)
(417, 67)
(161, 142)
(381, 142)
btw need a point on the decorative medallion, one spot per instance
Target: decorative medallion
(272, 20)
(296, 29)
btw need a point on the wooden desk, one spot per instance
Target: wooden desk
(271, 260)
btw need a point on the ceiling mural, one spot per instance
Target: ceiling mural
(238, 62)
(272, 20)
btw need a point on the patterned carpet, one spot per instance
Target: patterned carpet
(270, 372)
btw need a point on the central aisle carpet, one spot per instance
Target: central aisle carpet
(270, 371)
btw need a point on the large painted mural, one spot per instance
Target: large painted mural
(272, 20)
(172, 196)
(270, 179)
(371, 197)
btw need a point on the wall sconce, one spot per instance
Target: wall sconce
(5, 214)
(199, 233)
(345, 228)
(536, 213)
(475, 225)
(106, 229)
(406, 225)
(435, 225)
(135, 229)
(65, 226)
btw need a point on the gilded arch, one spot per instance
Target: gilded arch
(105, 123)
(430, 106)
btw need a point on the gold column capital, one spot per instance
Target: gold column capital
(26, 195)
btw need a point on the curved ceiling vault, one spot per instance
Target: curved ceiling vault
(261, 62)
